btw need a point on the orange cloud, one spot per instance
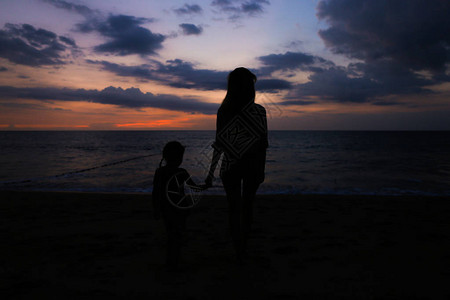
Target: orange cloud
(155, 124)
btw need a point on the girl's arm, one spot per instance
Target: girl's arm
(192, 184)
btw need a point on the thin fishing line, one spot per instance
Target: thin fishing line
(77, 171)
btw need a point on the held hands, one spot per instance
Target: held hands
(199, 187)
(202, 187)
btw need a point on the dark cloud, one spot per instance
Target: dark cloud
(297, 102)
(252, 8)
(26, 45)
(358, 82)
(142, 71)
(129, 98)
(334, 84)
(188, 9)
(292, 61)
(392, 78)
(181, 74)
(175, 73)
(394, 41)
(125, 35)
(36, 37)
(237, 9)
(184, 75)
(414, 33)
(226, 5)
(77, 8)
(361, 83)
(287, 61)
(68, 41)
(191, 29)
(272, 85)
(385, 103)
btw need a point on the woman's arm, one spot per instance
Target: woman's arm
(214, 161)
(217, 150)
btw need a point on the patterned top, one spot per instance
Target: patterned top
(242, 136)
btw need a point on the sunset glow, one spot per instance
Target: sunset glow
(136, 65)
(154, 124)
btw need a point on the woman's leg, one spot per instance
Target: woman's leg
(248, 198)
(232, 186)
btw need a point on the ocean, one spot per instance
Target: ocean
(298, 162)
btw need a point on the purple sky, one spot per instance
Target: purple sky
(336, 64)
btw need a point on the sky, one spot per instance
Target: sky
(163, 65)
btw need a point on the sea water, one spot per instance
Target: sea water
(298, 162)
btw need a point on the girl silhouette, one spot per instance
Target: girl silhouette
(241, 135)
(168, 184)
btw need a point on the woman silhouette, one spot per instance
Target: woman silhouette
(241, 135)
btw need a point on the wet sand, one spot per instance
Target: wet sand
(86, 245)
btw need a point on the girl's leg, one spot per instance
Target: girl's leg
(175, 226)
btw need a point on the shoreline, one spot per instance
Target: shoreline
(311, 246)
(282, 195)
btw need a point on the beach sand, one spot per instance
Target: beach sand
(98, 245)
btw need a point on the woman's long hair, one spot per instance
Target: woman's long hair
(240, 90)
